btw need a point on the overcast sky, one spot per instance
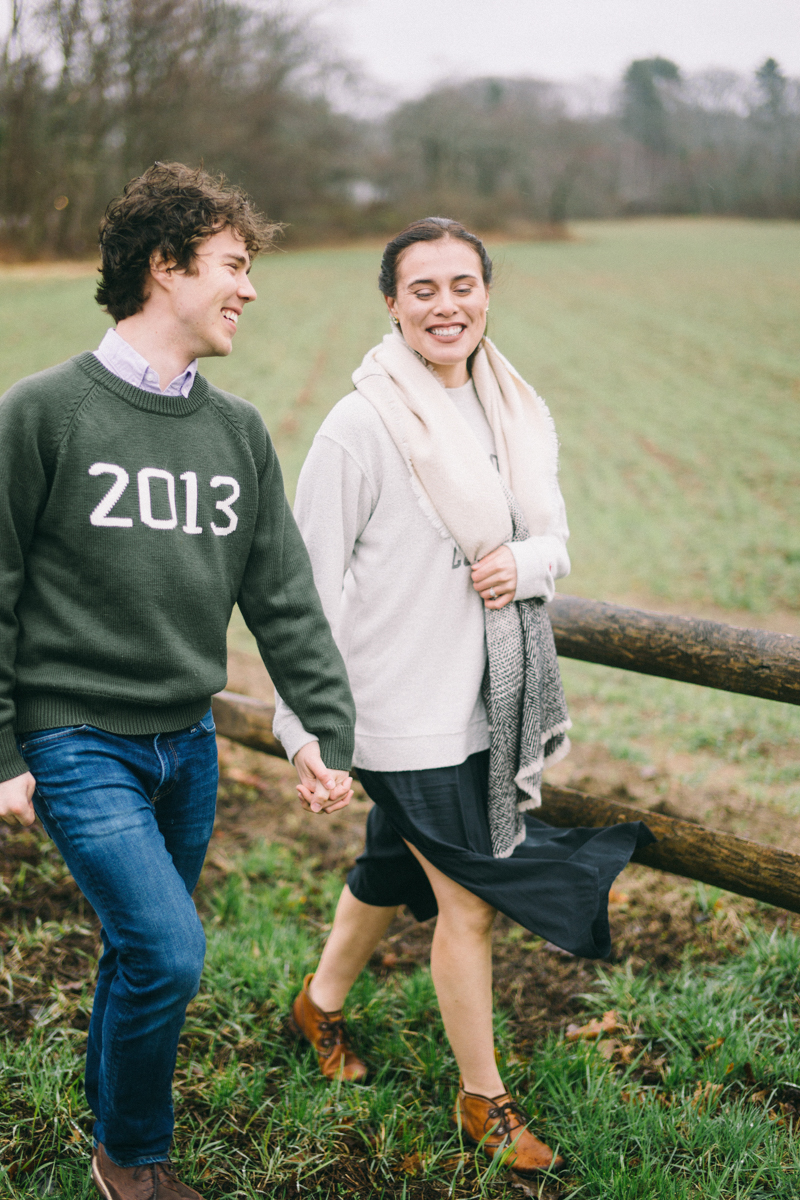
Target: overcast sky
(408, 44)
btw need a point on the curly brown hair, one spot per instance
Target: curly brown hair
(169, 210)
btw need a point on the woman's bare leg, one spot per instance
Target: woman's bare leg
(461, 966)
(357, 929)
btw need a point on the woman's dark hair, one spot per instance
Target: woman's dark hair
(430, 229)
(169, 210)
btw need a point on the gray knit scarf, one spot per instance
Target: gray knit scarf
(526, 707)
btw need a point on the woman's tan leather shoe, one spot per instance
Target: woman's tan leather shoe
(328, 1036)
(506, 1125)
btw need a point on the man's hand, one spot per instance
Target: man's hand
(320, 789)
(15, 799)
(494, 577)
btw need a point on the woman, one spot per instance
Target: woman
(430, 505)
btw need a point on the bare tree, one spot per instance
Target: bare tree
(92, 91)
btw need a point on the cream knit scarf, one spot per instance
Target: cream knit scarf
(447, 464)
(466, 499)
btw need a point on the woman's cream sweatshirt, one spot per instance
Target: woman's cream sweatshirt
(399, 595)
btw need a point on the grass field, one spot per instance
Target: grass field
(691, 1094)
(668, 352)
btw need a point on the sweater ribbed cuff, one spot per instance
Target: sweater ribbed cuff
(336, 747)
(12, 763)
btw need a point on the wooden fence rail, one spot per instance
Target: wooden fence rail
(684, 848)
(752, 661)
(247, 721)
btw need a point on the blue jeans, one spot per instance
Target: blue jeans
(132, 817)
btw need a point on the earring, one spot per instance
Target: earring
(395, 320)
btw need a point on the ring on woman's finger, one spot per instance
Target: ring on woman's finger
(492, 594)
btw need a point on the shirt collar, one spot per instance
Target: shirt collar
(120, 358)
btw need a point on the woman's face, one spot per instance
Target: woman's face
(441, 304)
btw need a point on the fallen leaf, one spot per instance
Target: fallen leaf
(608, 1023)
(610, 1048)
(712, 1046)
(617, 897)
(410, 1163)
(390, 959)
(705, 1094)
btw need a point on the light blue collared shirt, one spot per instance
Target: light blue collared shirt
(120, 358)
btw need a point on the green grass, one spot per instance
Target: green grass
(692, 1097)
(636, 716)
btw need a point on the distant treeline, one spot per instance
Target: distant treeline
(92, 91)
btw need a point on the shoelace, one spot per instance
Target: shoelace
(503, 1113)
(335, 1034)
(163, 1173)
(168, 1171)
(143, 1171)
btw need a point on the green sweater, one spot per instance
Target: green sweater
(130, 525)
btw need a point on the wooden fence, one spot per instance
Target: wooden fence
(750, 661)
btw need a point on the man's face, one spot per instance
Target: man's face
(208, 300)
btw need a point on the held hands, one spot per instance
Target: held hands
(15, 799)
(320, 789)
(496, 573)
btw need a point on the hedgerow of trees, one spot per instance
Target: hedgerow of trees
(92, 91)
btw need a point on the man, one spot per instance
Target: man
(138, 504)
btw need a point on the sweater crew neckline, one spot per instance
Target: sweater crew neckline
(464, 391)
(152, 402)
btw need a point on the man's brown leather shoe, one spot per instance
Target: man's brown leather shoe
(150, 1181)
(506, 1125)
(327, 1034)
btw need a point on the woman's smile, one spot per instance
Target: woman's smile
(446, 332)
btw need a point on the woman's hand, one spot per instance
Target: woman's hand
(494, 577)
(320, 789)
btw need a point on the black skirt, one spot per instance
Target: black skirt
(555, 884)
